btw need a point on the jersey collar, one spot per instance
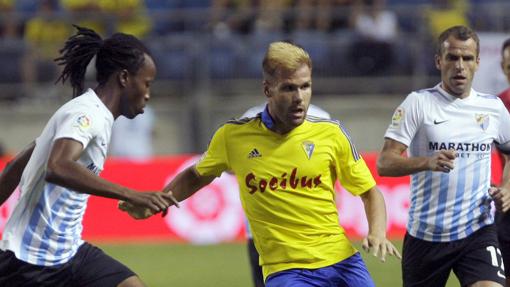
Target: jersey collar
(92, 94)
(472, 93)
(267, 119)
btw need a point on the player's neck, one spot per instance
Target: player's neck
(110, 96)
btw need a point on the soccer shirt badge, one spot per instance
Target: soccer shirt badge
(308, 147)
(482, 120)
(83, 122)
(397, 117)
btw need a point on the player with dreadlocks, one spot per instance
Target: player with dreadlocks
(42, 244)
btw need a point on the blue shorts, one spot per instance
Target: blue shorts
(350, 272)
(89, 267)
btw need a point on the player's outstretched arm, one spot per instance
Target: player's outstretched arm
(185, 184)
(505, 180)
(64, 170)
(392, 162)
(501, 194)
(11, 175)
(375, 210)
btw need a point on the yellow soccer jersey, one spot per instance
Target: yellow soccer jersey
(287, 187)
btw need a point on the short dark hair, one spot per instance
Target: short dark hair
(506, 44)
(459, 32)
(120, 51)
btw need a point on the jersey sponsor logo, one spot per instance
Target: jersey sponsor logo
(436, 122)
(397, 117)
(83, 122)
(255, 184)
(254, 153)
(460, 146)
(482, 120)
(92, 167)
(308, 147)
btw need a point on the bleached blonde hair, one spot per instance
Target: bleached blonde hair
(284, 57)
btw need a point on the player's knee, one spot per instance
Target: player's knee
(486, 284)
(132, 281)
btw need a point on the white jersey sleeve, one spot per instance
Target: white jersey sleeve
(504, 127)
(79, 126)
(406, 120)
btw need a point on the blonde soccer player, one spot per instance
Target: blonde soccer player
(287, 164)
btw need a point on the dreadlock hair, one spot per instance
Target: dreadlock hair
(120, 51)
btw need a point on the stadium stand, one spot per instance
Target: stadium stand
(199, 64)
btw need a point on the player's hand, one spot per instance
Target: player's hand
(442, 160)
(174, 201)
(137, 212)
(501, 197)
(154, 201)
(379, 246)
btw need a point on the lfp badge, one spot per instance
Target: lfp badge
(482, 120)
(83, 122)
(397, 117)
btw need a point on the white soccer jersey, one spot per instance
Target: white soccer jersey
(45, 227)
(450, 206)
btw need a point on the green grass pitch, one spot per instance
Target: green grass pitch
(225, 265)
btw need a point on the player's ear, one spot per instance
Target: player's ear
(266, 89)
(437, 60)
(123, 77)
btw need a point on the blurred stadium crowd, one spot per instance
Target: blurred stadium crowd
(209, 54)
(194, 40)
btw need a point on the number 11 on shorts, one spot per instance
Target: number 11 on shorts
(495, 254)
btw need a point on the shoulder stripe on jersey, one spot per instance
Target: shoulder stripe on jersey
(315, 119)
(437, 93)
(429, 90)
(242, 121)
(487, 96)
(355, 153)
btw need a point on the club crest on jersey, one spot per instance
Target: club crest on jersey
(397, 117)
(482, 120)
(308, 147)
(83, 122)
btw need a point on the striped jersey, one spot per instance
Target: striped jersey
(286, 186)
(46, 224)
(449, 206)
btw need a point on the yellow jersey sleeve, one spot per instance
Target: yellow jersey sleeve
(214, 161)
(352, 171)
